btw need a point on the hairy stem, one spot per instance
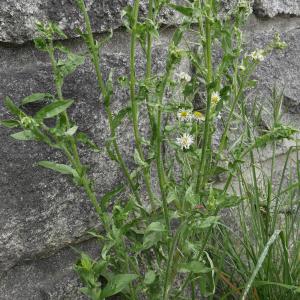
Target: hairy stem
(205, 147)
(94, 51)
(134, 104)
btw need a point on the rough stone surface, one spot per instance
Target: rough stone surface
(271, 8)
(42, 214)
(18, 18)
(281, 68)
(51, 278)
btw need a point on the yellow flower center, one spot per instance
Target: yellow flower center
(198, 115)
(215, 99)
(185, 141)
(184, 114)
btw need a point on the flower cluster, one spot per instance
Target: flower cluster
(28, 122)
(184, 77)
(187, 115)
(258, 55)
(215, 98)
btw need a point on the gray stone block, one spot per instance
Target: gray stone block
(40, 211)
(18, 18)
(271, 8)
(50, 278)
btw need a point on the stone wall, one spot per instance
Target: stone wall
(42, 214)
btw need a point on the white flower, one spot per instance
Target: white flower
(184, 77)
(184, 115)
(198, 116)
(185, 141)
(215, 98)
(258, 55)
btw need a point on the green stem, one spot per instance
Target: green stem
(158, 154)
(170, 261)
(95, 59)
(149, 64)
(207, 129)
(126, 258)
(197, 259)
(60, 97)
(134, 104)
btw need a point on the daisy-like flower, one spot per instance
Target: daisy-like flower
(184, 77)
(258, 55)
(185, 141)
(198, 116)
(215, 98)
(184, 115)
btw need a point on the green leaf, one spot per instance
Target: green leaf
(149, 277)
(53, 109)
(186, 11)
(36, 97)
(138, 160)
(196, 267)
(120, 116)
(260, 261)
(58, 31)
(71, 131)
(83, 138)
(69, 65)
(108, 196)
(295, 289)
(41, 44)
(156, 226)
(110, 149)
(61, 168)
(10, 123)
(86, 262)
(152, 239)
(117, 284)
(25, 135)
(109, 88)
(190, 196)
(99, 267)
(12, 107)
(207, 222)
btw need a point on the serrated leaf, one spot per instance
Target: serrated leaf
(61, 168)
(10, 123)
(36, 97)
(25, 135)
(53, 109)
(117, 284)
